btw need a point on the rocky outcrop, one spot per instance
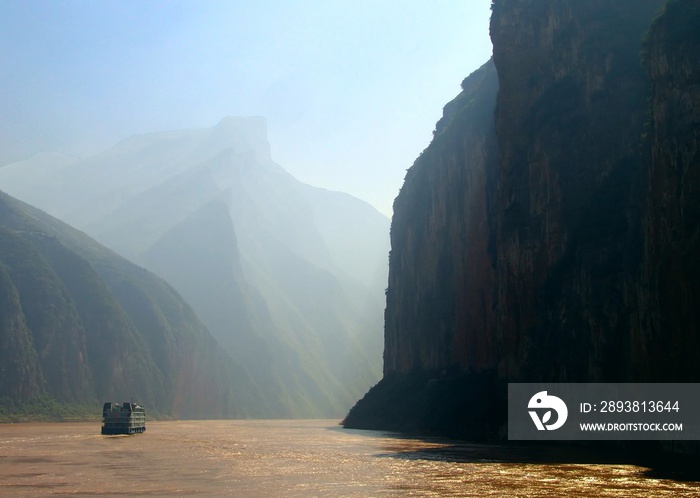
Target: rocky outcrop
(558, 240)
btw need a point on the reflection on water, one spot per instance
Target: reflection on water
(292, 458)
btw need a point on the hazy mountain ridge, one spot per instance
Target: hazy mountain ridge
(577, 211)
(82, 325)
(292, 272)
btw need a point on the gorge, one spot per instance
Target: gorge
(287, 278)
(550, 232)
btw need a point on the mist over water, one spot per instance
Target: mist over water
(291, 458)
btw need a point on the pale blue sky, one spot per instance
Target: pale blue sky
(351, 89)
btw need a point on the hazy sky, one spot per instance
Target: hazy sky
(351, 89)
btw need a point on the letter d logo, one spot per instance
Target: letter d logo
(542, 400)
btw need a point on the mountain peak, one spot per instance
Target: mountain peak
(241, 134)
(244, 121)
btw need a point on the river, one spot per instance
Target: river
(296, 458)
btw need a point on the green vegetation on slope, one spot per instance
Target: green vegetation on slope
(82, 326)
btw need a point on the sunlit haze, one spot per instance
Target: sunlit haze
(351, 90)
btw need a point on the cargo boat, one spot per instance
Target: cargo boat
(123, 418)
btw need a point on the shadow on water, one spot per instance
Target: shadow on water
(656, 464)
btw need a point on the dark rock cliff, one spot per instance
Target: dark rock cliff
(439, 353)
(570, 114)
(669, 345)
(439, 308)
(550, 231)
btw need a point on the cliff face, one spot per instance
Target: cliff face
(550, 234)
(569, 118)
(439, 299)
(440, 346)
(672, 227)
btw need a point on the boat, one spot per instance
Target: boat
(123, 418)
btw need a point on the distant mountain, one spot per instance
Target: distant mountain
(289, 278)
(82, 325)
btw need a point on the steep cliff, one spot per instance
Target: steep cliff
(439, 320)
(570, 114)
(576, 257)
(669, 345)
(439, 308)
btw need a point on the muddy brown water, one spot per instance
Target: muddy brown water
(290, 458)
